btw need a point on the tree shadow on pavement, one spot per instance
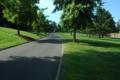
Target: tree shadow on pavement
(51, 40)
(29, 68)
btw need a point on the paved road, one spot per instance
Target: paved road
(36, 60)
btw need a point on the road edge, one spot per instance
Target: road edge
(60, 63)
(2, 49)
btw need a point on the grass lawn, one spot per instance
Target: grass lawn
(90, 58)
(8, 37)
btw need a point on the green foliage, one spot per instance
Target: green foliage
(104, 22)
(61, 4)
(10, 11)
(118, 25)
(76, 13)
(40, 23)
(20, 11)
(52, 26)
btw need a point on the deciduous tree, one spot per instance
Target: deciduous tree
(76, 13)
(20, 11)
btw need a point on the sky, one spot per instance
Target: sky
(111, 5)
(48, 12)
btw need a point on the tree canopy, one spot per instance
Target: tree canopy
(76, 13)
(104, 22)
(20, 11)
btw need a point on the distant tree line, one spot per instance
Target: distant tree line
(87, 16)
(103, 24)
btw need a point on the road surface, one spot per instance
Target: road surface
(36, 60)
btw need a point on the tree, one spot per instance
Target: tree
(118, 25)
(20, 11)
(3, 21)
(40, 23)
(104, 22)
(76, 13)
(51, 26)
(1, 14)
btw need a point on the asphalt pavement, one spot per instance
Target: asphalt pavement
(37, 60)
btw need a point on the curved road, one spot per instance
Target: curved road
(36, 60)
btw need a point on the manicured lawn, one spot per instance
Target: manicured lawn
(90, 58)
(9, 38)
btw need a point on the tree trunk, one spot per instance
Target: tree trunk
(18, 30)
(103, 35)
(74, 35)
(28, 28)
(71, 33)
(99, 35)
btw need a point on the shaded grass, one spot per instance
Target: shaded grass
(90, 58)
(8, 37)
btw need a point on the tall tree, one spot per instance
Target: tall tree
(3, 21)
(76, 13)
(1, 14)
(104, 22)
(40, 23)
(118, 25)
(20, 11)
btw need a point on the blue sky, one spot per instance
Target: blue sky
(49, 4)
(111, 5)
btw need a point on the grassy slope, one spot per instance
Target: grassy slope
(91, 59)
(9, 38)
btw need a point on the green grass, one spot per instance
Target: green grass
(90, 58)
(8, 37)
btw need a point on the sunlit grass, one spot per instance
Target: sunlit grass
(90, 58)
(9, 37)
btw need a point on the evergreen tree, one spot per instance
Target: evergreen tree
(104, 23)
